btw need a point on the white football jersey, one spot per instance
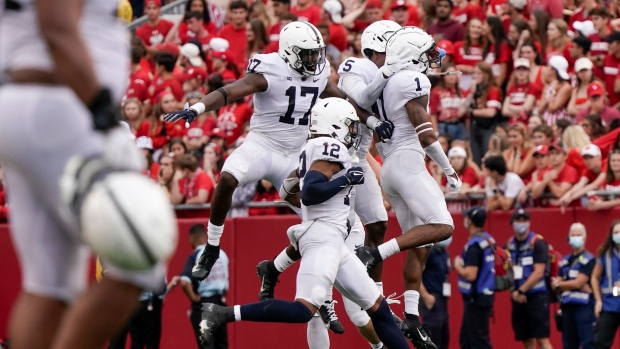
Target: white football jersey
(366, 70)
(400, 89)
(106, 39)
(282, 112)
(337, 209)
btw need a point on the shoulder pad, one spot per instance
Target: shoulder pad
(327, 149)
(263, 63)
(413, 84)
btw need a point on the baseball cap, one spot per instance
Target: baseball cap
(591, 149)
(334, 8)
(595, 89)
(217, 132)
(144, 142)
(197, 73)
(583, 63)
(557, 146)
(560, 64)
(518, 4)
(520, 213)
(586, 28)
(219, 44)
(169, 47)
(615, 36)
(399, 4)
(457, 151)
(542, 149)
(154, 2)
(192, 53)
(477, 215)
(374, 4)
(522, 62)
(223, 55)
(447, 46)
(194, 133)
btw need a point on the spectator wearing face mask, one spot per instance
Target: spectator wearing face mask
(435, 292)
(530, 298)
(573, 287)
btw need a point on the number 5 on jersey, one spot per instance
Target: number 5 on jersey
(291, 92)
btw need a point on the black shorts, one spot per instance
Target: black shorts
(531, 319)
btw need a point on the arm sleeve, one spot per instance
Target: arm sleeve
(473, 256)
(317, 188)
(364, 95)
(588, 267)
(541, 252)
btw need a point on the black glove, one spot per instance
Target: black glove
(188, 114)
(355, 175)
(105, 114)
(384, 130)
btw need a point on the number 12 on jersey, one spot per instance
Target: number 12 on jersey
(291, 93)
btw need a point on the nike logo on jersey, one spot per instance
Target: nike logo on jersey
(358, 246)
(316, 80)
(424, 338)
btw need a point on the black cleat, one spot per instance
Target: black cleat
(214, 317)
(330, 318)
(417, 334)
(364, 254)
(207, 259)
(267, 281)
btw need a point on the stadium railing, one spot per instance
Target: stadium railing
(173, 8)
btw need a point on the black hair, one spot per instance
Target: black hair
(166, 59)
(584, 43)
(496, 163)
(498, 32)
(197, 229)
(205, 12)
(237, 4)
(195, 15)
(137, 53)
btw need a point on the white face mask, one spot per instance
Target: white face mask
(576, 241)
(616, 238)
(445, 243)
(521, 227)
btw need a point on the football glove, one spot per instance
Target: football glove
(186, 113)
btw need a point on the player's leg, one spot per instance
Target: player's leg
(248, 163)
(317, 335)
(353, 283)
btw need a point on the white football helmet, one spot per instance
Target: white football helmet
(336, 118)
(376, 36)
(417, 44)
(302, 47)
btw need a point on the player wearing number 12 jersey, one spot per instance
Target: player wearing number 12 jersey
(285, 86)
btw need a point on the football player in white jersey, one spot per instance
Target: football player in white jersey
(417, 199)
(286, 85)
(326, 180)
(66, 63)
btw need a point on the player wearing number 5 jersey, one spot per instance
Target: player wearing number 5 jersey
(419, 203)
(285, 86)
(326, 180)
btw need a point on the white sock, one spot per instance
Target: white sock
(214, 233)
(412, 299)
(237, 309)
(376, 346)
(388, 249)
(329, 295)
(380, 286)
(317, 334)
(283, 261)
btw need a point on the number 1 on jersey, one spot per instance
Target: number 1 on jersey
(291, 93)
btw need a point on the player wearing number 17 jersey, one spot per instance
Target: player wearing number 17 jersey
(417, 199)
(326, 180)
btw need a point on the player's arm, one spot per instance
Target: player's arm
(416, 110)
(364, 95)
(289, 191)
(249, 84)
(59, 24)
(318, 186)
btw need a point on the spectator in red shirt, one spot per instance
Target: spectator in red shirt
(152, 168)
(190, 57)
(184, 33)
(307, 11)
(597, 106)
(195, 29)
(280, 8)
(521, 94)
(332, 53)
(579, 49)
(539, 21)
(155, 128)
(332, 15)
(235, 32)
(446, 27)
(470, 51)
(460, 163)
(598, 50)
(164, 65)
(483, 104)
(583, 13)
(512, 11)
(555, 8)
(196, 78)
(611, 183)
(498, 53)
(133, 113)
(400, 13)
(372, 11)
(530, 52)
(464, 11)
(574, 139)
(519, 33)
(197, 133)
(195, 187)
(557, 91)
(137, 70)
(265, 192)
(223, 65)
(212, 161)
(444, 105)
(256, 35)
(610, 68)
(231, 119)
(519, 148)
(154, 31)
(258, 10)
(559, 43)
(585, 75)
(558, 179)
(592, 176)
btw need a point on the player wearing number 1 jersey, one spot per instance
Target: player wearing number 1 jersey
(285, 86)
(326, 179)
(418, 201)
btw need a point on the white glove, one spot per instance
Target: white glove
(395, 64)
(454, 184)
